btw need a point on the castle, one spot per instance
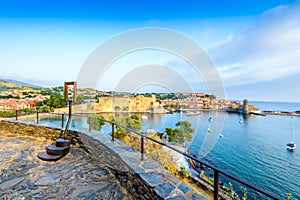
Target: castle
(138, 103)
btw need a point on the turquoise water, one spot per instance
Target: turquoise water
(254, 150)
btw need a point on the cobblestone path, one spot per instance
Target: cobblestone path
(76, 176)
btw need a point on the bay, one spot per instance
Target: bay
(254, 151)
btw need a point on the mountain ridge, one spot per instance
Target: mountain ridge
(15, 84)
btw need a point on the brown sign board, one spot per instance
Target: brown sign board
(67, 86)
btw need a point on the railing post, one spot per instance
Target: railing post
(62, 120)
(37, 117)
(16, 115)
(142, 147)
(90, 127)
(216, 184)
(112, 131)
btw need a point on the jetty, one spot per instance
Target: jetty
(284, 113)
(257, 113)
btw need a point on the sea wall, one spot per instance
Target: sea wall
(143, 179)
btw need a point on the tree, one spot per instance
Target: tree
(211, 96)
(171, 133)
(120, 132)
(7, 113)
(183, 132)
(133, 122)
(44, 109)
(55, 101)
(79, 99)
(38, 103)
(96, 121)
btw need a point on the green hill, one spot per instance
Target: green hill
(15, 85)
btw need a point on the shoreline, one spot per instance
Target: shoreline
(199, 180)
(196, 181)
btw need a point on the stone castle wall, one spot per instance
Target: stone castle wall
(129, 104)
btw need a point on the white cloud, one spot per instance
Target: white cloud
(228, 40)
(268, 50)
(226, 68)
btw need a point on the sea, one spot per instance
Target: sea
(250, 147)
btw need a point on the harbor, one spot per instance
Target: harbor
(254, 150)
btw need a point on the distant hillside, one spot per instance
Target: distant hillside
(6, 84)
(21, 83)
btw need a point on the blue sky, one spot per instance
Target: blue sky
(254, 44)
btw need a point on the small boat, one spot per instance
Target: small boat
(144, 117)
(209, 129)
(291, 146)
(193, 113)
(241, 121)
(221, 135)
(210, 119)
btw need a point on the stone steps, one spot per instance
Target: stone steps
(55, 151)
(46, 157)
(60, 142)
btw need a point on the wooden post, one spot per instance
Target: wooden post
(142, 147)
(37, 117)
(112, 131)
(62, 120)
(216, 185)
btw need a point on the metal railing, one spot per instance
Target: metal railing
(11, 113)
(217, 171)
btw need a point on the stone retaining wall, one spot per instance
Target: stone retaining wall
(143, 179)
(11, 126)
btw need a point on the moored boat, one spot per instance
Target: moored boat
(210, 119)
(291, 146)
(144, 117)
(193, 113)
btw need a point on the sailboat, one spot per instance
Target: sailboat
(209, 130)
(291, 146)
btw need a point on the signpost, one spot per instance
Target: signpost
(70, 96)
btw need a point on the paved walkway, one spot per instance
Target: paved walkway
(76, 176)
